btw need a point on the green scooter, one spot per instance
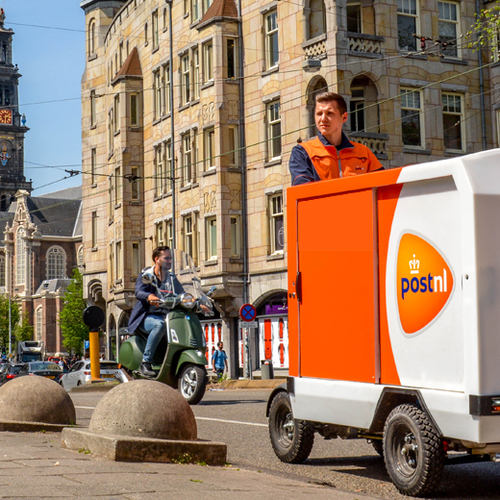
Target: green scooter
(179, 359)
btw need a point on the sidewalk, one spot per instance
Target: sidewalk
(34, 466)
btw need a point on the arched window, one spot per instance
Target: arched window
(363, 107)
(38, 323)
(315, 87)
(80, 257)
(20, 257)
(317, 18)
(91, 35)
(2, 270)
(56, 263)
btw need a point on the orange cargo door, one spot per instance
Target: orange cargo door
(338, 326)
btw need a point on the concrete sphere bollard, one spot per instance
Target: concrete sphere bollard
(36, 399)
(147, 409)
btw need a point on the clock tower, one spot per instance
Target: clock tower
(12, 125)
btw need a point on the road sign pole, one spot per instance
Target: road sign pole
(248, 314)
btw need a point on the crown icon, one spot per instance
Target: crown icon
(414, 265)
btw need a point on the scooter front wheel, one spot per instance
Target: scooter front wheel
(192, 383)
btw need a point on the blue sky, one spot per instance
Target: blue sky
(49, 48)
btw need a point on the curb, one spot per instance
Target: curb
(226, 384)
(252, 384)
(133, 449)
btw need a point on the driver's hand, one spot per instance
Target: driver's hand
(153, 300)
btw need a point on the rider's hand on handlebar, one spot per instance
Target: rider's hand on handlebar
(153, 300)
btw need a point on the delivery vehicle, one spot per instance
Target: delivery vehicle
(30, 350)
(408, 261)
(79, 374)
(180, 359)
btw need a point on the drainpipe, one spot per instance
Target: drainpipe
(172, 122)
(481, 87)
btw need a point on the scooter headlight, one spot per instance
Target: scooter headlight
(188, 301)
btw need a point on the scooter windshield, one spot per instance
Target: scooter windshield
(184, 270)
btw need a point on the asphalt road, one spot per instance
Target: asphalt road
(237, 418)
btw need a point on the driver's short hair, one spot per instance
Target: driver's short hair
(158, 251)
(333, 97)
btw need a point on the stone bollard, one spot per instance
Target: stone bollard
(34, 404)
(144, 421)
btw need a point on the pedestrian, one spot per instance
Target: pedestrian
(330, 155)
(219, 359)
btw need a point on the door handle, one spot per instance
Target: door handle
(298, 286)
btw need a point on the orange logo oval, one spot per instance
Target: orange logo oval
(424, 283)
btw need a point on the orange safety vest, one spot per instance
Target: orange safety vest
(328, 162)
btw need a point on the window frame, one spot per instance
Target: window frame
(208, 61)
(401, 13)
(445, 52)
(211, 237)
(271, 39)
(271, 136)
(55, 263)
(275, 201)
(185, 79)
(209, 157)
(420, 113)
(460, 114)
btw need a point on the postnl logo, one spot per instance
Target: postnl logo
(424, 283)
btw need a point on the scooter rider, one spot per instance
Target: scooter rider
(146, 315)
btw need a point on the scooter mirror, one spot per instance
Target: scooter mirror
(147, 278)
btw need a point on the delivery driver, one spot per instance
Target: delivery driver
(330, 155)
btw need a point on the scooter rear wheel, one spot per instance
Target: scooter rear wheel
(192, 383)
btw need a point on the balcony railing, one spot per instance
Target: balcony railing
(365, 45)
(315, 47)
(376, 142)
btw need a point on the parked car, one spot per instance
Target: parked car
(79, 374)
(46, 369)
(8, 371)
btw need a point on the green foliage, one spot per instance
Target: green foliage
(4, 318)
(24, 331)
(486, 29)
(73, 328)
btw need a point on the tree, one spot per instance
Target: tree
(24, 331)
(486, 29)
(4, 318)
(73, 328)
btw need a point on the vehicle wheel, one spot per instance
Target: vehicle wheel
(192, 383)
(377, 446)
(79, 383)
(292, 439)
(413, 451)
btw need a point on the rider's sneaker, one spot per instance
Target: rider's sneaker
(146, 370)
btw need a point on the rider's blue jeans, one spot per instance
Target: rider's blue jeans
(155, 327)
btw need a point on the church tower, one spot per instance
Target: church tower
(12, 125)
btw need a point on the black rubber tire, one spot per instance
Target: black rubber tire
(292, 440)
(413, 451)
(79, 383)
(192, 383)
(378, 446)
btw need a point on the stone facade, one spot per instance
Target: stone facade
(209, 171)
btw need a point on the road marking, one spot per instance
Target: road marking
(231, 421)
(199, 418)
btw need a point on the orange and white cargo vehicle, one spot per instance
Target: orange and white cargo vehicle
(394, 316)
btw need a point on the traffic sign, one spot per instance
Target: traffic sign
(248, 312)
(86, 344)
(249, 324)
